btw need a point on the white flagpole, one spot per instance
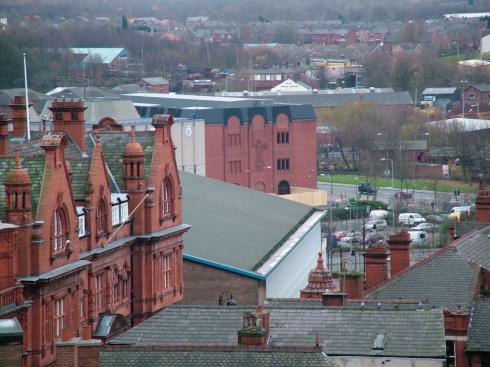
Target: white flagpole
(27, 99)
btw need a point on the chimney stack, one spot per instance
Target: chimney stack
(4, 135)
(376, 260)
(352, 284)
(335, 299)
(68, 117)
(482, 204)
(19, 119)
(400, 251)
(255, 329)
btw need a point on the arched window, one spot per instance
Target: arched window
(101, 217)
(59, 229)
(166, 197)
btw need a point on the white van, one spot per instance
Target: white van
(378, 214)
(418, 237)
(410, 219)
(461, 209)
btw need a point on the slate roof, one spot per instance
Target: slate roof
(342, 331)
(240, 231)
(479, 326)
(155, 357)
(446, 280)
(79, 176)
(35, 167)
(113, 145)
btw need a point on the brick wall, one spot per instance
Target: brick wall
(204, 284)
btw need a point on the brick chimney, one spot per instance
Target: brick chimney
(319, 281)
(255, 329)
(68, 117)
(376, 260)
(163, 125)
(482, 204)
(335, 299)
(352, 284)
(400, 251)
(19, 120)
(4, 135)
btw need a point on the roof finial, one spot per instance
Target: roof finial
(133, 134)
(17, 159)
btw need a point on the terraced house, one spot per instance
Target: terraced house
(91, 231)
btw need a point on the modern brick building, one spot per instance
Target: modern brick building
(91, 232)
(250, 142)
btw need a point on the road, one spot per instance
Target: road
(343, 192)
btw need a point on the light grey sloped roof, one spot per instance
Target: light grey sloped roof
(233, 225)
(408, 333)
(430, 91)
(445, 280)
(335, 100)
(476, 248)
(216, 357)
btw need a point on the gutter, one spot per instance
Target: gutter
(217, 265)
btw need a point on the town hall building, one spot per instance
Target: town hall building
(91, 228)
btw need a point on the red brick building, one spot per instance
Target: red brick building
(91, 228)
(250, 142)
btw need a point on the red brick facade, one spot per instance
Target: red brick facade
(71, 275)
(268, 156)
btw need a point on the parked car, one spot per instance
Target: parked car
(434, 218)
(429, 227)
(373, 237)
(353, 237)
(340, 234)
(410, 219)
(377, 225)
(403, 195)
(378, 214)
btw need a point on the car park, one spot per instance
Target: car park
(378, 214)
(418, 237)
(340, 234)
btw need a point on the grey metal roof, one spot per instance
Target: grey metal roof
(340, 99)
(233, 225)
(236, 357)
(439, 91)
(479, 326)
(445, 280)
(341, 331)
(156, 80)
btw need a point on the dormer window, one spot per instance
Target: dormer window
(166, 198)
(59, 229)
(101, 217)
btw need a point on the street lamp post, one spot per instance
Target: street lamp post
(392, 184)
(463, 82)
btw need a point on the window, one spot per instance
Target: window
(166, 197)
(101, 217)
(58, 115)
(59, 229)
(283, 138)
(116, 288)
(98, 291)
(283, 164)
(234, 140)
(450, 354)
(235, 166)
(472, 95)
(59, 315)
(166, 271)
(74, 115)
